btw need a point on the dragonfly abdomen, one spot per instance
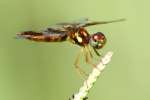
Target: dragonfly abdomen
(40, 37)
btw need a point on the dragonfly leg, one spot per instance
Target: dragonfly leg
(77, 66)
(88, 57)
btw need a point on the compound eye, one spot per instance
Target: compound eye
(94, 43)
(97, 40)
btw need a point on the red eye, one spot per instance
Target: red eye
(98, 36)
(98, 40)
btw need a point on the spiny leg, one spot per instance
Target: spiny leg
(96, 52)
(77, 66)
(89, 50)
(88, 56)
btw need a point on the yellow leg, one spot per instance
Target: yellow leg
(88, 56)
(77, 66)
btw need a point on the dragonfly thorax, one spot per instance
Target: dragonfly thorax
(79, 37)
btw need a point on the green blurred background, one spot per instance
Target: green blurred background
(45, 71)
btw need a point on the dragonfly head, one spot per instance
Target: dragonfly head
(97, 40)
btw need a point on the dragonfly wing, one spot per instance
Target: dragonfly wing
(101, 22)
(55, 30)
(77, 23)
(86, 22)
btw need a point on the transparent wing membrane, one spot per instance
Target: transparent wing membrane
(102, 22)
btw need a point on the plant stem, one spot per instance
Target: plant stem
(88, 84)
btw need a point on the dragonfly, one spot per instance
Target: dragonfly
(76, 33)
